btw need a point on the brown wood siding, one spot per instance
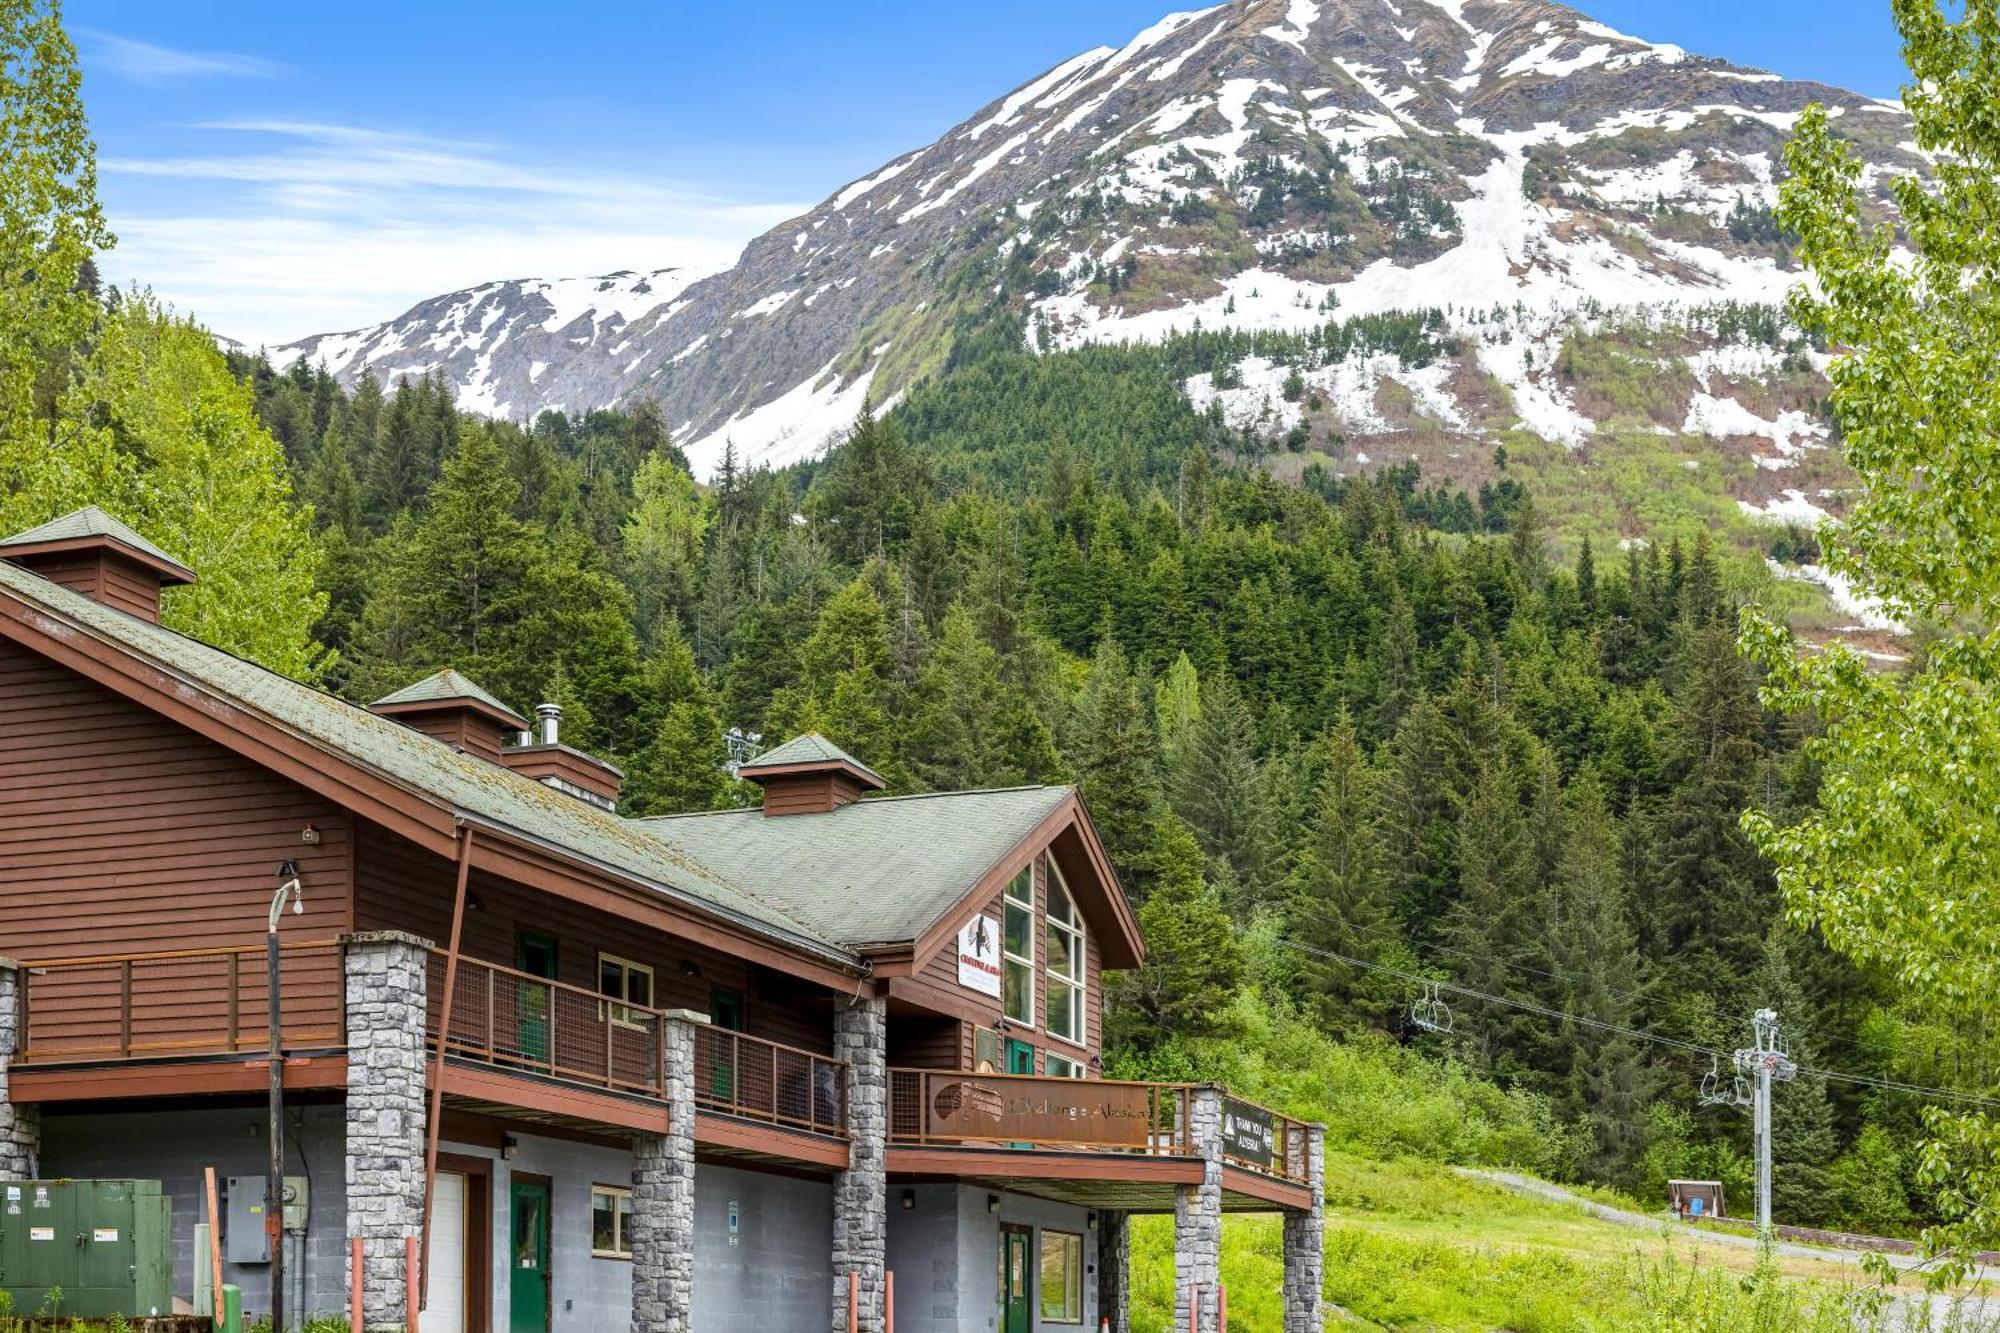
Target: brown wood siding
(104, 578)
(925, 1042)
(941, 970)
(401, 887)
(810, 794)
(123, 833)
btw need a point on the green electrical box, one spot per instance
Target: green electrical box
(106, 1246)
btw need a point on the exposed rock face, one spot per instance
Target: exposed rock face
(1262, 164)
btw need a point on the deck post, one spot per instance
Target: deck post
(861, 1192)
(20, 1126)
(387, 974)
(663, 1191)
(1305, 1244)
(1114, 1271)
(1198, 1217)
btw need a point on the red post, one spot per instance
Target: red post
(1194, 1309)
(354, 1321)
(412, 1283)
(214, 1245)
(854, 1303)
(889, 1302)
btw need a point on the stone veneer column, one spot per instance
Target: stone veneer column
(861, 1192)
(387, 978)
(1305, 1245)
(663, 1194)
(1114, 1271)
(1198, 1219)
(20, 1126)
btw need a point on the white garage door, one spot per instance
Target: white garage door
(444, 1310)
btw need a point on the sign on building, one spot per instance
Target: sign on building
(979, 956)
(1072, 1111)
(1247, 1133)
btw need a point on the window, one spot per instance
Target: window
(1065, 962)
(1062, 1277)
(1061, 1068)
(621, 979)
(1017, 950)
(610, 1222)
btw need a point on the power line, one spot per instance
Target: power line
(1640, 1034)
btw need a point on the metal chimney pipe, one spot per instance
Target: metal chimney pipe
(551, 716)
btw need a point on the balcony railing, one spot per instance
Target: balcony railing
(943, 1108)
(764, 1080)
(531, 1025)
(181, 1004)
(936, 1108)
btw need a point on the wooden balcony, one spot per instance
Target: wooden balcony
(185, 1021)
(524, 1046)
(1098, 1142)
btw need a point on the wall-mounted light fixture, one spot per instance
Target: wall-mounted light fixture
(1090, 1221)
(690, 968)
(309, 835)
(992, 1203)
(509, 1147)
(909, 1200)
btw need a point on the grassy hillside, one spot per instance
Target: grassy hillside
(1414, 1245)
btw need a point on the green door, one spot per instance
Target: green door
(1020, 1057)
(534, 1006)
(528, 1255)
(1016, 1282)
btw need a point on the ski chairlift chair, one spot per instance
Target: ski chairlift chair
(1430, 1012)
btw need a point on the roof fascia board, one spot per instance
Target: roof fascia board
(166, 569)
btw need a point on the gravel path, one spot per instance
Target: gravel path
(1986, 1308)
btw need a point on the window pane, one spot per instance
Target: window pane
(1061, 1068)
(1062, 1009)
(603, 1222)
(1062, 1277)
(624, 1224)
(610, 978)
(639, 987)
(1020, 935)
(1060, 907)
(1017, 988)
(1022, 887)
(1062, 951)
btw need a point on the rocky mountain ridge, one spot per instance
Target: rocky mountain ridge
(1265, 164)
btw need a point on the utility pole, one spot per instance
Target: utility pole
(289, 890)
(1759, 1064)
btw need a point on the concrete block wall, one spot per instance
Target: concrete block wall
(945, 1253)
(172, 1147)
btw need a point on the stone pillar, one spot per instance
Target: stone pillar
(1305, 1244)
(663, 1194)
(387, 978)
(1114, 1271)
(20, 1126)
(1198, 1220)
(861, 1192)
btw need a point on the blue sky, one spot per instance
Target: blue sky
(285, 170)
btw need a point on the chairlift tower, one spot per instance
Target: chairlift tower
(1759, 1065)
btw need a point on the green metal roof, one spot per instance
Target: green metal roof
(90, 521)
(472, 786)
(876, 872)
(811, 748)
(445, 686)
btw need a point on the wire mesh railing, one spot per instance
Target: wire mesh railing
(182, 1003)
(531, 1025)
(766, 1080)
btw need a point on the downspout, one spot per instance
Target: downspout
(433, 1122)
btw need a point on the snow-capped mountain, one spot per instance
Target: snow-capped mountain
(1265, 164)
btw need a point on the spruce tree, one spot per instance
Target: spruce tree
(1217, 791)
(1117, 763)
(679, 768)
(1337, 898)
(1194, 958)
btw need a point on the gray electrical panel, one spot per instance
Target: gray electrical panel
(244, 1240)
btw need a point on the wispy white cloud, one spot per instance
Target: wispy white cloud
(145, 62)
(296, 227)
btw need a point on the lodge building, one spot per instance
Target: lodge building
(707, 1072)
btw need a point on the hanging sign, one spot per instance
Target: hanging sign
(1247, 1133)
(979, 956)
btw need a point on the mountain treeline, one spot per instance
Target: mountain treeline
(1311, 727)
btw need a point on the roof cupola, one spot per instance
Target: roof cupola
(90, 552)
(455, 710)
(810, 775)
